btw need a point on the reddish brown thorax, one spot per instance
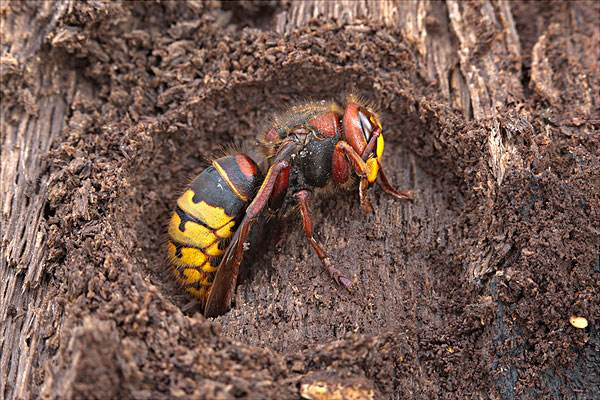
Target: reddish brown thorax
(327, 123)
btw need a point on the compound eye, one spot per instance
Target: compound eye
(365, 125)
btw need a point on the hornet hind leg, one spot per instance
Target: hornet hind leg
(223, 287)
(303, 198)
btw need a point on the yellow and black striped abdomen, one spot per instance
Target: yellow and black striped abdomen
(206, 217)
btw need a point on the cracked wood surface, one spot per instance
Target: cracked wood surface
(457, 46)
(29, 126)
(32, 126)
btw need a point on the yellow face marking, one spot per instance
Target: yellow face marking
(194, 234)
(224, 175)
(375, 121)
(226, 232)
(214, 250)
(212, 216)
(372, 169)
(379, 148)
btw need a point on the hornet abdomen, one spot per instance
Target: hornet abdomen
(206, 217)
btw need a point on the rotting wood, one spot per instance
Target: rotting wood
(449, 51)
(29, 126)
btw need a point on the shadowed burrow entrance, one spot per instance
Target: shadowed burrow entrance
(285, 299)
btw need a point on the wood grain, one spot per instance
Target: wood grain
(30, 125)
(468, 69)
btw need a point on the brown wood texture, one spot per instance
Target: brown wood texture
(462, 65)
(30, 125)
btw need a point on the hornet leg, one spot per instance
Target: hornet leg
(303, 197)
(388, 188)
(361, 169)
(371, 144)
(223, 287)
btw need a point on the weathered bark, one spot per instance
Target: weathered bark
(105, 108)
(35, 97)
